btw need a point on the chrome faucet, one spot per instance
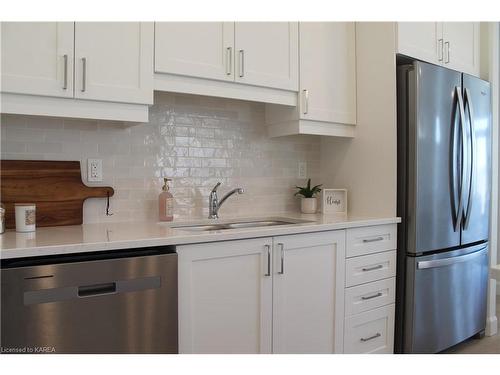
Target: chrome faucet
(214, 203)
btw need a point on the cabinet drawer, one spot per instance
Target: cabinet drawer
(370, 332)
(369, 296)
(372, 267)
(367, 240)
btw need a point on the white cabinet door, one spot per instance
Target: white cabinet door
(225, 297)
(267, 54)
(37, 58)
(195, 49)
(308, 293)
(421, 40)
(461, 46)
(114, 61)
(328, 71)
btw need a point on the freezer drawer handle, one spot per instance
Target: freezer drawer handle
(372, 296)
(449, 261)
(96, 289)
(365, 339)
(373, 239)
(377, 267)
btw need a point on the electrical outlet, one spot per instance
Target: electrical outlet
(94, 170)
(302, 170)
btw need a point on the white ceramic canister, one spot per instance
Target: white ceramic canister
(25, 217)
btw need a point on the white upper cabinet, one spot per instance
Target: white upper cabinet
(267, 54)
(328, 71)
(454, 45)
(327, 75)
(114, 61)
(37, 58)
(308, 285)
(195, 49)
(461, 46)
(421, 39)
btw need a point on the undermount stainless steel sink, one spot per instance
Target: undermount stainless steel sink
(237, 224)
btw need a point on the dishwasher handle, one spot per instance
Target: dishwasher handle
(96, 289)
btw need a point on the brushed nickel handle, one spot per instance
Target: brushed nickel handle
(365, 339)
(65, 75)
(242, 63)
(84, 74)
(305, 96)
(229, 60)
(377, 267)
(364, 298)
(268, 249)
(440, 49)
(447, 50)
(282, 255)
(373, 239)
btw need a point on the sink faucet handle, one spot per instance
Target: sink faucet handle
(216, 187)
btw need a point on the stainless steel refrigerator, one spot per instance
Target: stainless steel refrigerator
(444, 148)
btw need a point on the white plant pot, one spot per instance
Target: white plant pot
(309, 205)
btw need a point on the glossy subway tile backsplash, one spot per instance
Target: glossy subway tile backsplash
(194, 140)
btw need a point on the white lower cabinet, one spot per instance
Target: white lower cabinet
(370, 332)
(370, 289)
(281, 295)
(225, 297)
(308, 293)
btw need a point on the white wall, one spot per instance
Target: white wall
(366, 165)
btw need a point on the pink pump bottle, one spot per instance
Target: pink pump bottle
(166, 203)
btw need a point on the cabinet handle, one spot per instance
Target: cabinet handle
(65, 74)
(365, 339)
(440, 49)
(373, 239)
(242, 63)
(372, 296)
(372, 268)
(305, 96)
(282, 254)
(268, 249)
(84, 74)
(229, 60)
(447, 50)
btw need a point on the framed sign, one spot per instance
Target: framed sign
(334, 201)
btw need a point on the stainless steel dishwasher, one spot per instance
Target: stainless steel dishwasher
(114, 302)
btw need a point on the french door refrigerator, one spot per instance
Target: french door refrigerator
(444, 153)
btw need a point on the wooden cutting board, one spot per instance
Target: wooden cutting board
(55, 187)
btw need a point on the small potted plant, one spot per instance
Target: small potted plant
(308, 203)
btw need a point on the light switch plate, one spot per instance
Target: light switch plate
(94, 170)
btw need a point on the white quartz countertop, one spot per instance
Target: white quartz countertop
(114, 236)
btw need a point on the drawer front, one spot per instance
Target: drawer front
(368, 240)
(369, 296)
(361, 270)
(370, 332)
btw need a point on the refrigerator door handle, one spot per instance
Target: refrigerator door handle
(449, 261)
(458, 92)
(468, 102)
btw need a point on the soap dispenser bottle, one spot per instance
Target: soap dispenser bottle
(166, 202)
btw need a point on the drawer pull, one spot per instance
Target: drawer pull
(372, 296)
(365, 339)
(377, 267)
(373, 239)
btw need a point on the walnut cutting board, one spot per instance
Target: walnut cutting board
(55, 187)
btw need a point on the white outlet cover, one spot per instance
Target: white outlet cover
(94, 170)
(302, 170)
